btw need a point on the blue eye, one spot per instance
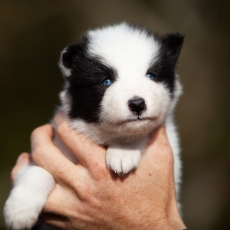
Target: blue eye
(107, 82)
(151, 76)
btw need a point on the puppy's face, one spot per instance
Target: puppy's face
(122, 78)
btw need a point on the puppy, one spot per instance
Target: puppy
(120, 86)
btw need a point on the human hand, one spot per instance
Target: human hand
(89, 196)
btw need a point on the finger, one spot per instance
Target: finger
(64, 197)
(23, 160)
(164, 161)
(70, 205)
(160, 147)
(53, 220)
(158, 157)
(46, 155)
(160, 135)
(82, 147)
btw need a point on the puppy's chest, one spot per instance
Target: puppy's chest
(123, 153)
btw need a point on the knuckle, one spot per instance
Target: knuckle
(61, 129)
(99, 168)
(84, 192)
(39, 131)
(35, 132)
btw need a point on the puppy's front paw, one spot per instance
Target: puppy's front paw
(21, 210)
(27, 198)
(122, 161)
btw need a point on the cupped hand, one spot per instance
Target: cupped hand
(89, 196)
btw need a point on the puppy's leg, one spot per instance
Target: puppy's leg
(124, 157)
(28, 197)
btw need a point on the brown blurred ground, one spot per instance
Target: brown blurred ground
(32, 34)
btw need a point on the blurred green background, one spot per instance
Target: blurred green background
(32, 34)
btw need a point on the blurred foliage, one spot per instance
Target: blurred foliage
(32, 34)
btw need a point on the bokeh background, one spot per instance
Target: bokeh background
(32, 34)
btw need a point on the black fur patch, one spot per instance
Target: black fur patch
(164, 65)
(86, 89)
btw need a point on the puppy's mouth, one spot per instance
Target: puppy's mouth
(137, 120)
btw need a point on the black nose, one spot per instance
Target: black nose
(137, 105)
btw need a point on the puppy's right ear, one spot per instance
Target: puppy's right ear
(173, 42)
(68, 57)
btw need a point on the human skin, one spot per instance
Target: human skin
(89, 196)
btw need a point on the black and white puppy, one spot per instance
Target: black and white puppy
(121, 85)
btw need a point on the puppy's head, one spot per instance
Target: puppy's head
(122, 78)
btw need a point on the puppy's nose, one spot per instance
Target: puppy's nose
(137, 105)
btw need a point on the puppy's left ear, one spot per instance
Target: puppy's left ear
(173, 42)
(68, 56)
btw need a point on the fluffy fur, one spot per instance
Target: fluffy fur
(121, 85)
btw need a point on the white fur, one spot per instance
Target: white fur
(131, 45)
(126, 136)
(28, 197)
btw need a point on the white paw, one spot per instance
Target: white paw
(122, 161)
(27, 198)
(22, 209)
